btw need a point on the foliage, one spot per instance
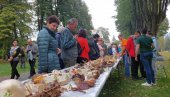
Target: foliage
(124, 16)
(135, 15)
(14, 21)
(64, 9)
(166, 44)
(163, 28)
(113, 39)
(161, 43)
(105, 34)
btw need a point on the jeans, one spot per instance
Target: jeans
(146, 59)
(127, 66)
(142, 71)
(32, 65)
(14, 69)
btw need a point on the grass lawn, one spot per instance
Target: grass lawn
(122, 87)
(5, 68)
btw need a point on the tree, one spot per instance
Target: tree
(113, 39)
(124, 16)
(14, 21)
(105, 33)
(163, 28)
(64, 9)
(140, 14)
(153, 12)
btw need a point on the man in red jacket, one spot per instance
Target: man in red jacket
(130, 47)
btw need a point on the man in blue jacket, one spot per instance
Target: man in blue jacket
(69, 52)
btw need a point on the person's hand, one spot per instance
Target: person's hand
(136, 58)
(75, 36)
(118, 55)
(58, 50)
(10, 59)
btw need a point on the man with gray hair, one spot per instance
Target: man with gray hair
(32, 51)
(68, 44)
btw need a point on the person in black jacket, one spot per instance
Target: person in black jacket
(14, 59)
(94, 50)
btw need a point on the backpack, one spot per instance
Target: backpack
(80, 50)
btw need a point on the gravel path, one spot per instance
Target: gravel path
(22, 77)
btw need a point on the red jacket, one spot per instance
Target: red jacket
(130, 47)
(85, 46)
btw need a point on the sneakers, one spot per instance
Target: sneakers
(154, 84)
(147, 84)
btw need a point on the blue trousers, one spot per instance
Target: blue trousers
(127, 65)
(146, 59)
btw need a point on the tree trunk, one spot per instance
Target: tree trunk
(15, 31)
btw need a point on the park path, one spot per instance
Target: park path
(22, 77)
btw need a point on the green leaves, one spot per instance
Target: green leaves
(14, 21)
(135, 15)
(64, 9)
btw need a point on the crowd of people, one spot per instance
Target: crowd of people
(140, 51)
(57, 48)
(66, 47)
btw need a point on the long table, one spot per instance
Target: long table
(94, 91)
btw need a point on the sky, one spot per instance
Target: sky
(102, 12)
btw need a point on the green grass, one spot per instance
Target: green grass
(5, 68)
(123, 87)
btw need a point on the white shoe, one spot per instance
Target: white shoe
(154, 84)
(147, 84)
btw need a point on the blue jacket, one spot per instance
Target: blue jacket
(47, 45)
(68, 45)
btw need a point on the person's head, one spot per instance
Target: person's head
(120, 36)
(144, 31)
(114, 46)
(52, 22)
(96, 37)
(72, 24)
(29, 42)
(82, 33)
(149, 34)
(100, 41)
(15, 42)
(137, 34)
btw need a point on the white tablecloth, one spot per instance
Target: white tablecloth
(94, 91)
